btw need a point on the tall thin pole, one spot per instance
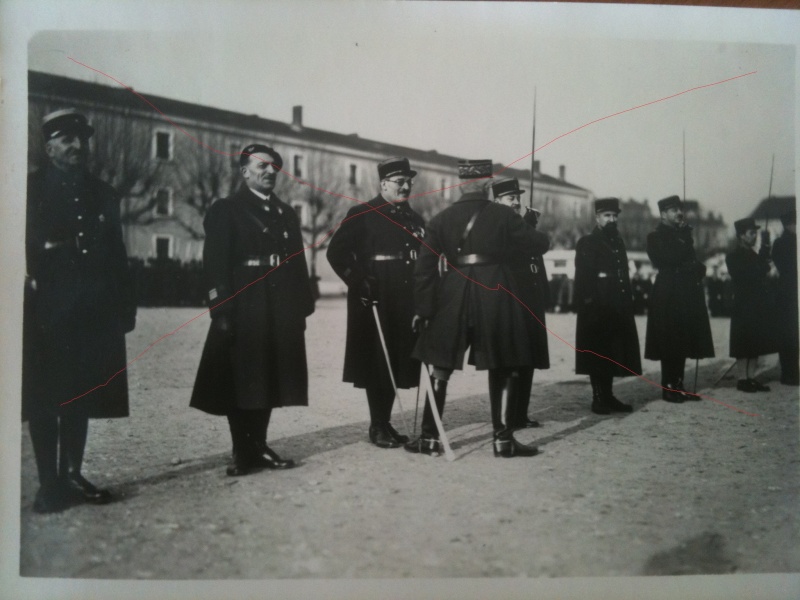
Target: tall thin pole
(533, 148)
(684, 165)
(769, 194)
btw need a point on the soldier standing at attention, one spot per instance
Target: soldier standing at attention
(467, 308)
(677, 322)
(79, 304)
(606, 338)
(784, 255)
(254, 358)
(374, 251)
(753, 326)
(534, 291)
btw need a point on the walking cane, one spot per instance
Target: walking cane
(389, 364)
(423, 376)
(728, 370)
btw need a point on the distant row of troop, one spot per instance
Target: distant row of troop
(470, 283)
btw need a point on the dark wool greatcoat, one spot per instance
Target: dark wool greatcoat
(753, 324)
(379, 228)
(677, 321)
(604, 298)
(784, 255)
(83, 302)
(534, 290)
(470, 302)
(263, 363)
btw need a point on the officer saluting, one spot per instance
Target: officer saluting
(373, 251)
(79, 303)
(606, 328)
(677, 322)
(460, 310)
(531, 278)
(254, 358)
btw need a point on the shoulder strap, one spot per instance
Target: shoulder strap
(469, 227)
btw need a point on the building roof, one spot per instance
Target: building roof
(56, 85)
(773, 207)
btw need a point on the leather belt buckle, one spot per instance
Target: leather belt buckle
(534, 268)
(412, 255)
(274, 260)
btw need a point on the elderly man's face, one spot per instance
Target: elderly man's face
(605, 217)
(511, 200)
(68, 152)
(396, 188)
(749, 237)
(259, 173)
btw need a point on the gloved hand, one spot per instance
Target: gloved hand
(418, 323)
(368, 290)
(531, 217)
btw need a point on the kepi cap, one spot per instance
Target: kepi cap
(742, 226)
(604, 204)
(397, 165)
(671, 202)
(65, 121)
(248, 151)
(504, 187)
(474, 169)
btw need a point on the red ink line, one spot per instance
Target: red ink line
(496, 288)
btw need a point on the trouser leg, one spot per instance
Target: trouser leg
(790, 366)
(237, 422)
(503, 392)
(524, 385)
(44, 436)
(439, 394)
(381, 401)
(73, 431)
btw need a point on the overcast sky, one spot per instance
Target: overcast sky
(460, 79)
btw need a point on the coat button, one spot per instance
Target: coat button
(84, 251)
(79, 217)
(80, 234)
(77, 199)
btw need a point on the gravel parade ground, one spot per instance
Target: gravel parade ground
(694, 489)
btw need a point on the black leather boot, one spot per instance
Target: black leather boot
(687, 397)
(51, 496)
(73, 432)
(503, 401)
(428, 441)
(599, 404)
(261, 455)
(380, 436)
(524, 385)
(612, 402)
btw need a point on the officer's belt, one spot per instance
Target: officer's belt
(412, 255)
(273, 260)
(474, 259)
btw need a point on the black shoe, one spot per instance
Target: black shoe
(267, 458)
(758, 386)
(599, 407)
(507, 447)
(237, 469)
(81, 488)
(671, 394)
(379, 435)
(528, 423)
(424, 445)
(50, 499)
(746, 385)
(615, 405)
(396, 436)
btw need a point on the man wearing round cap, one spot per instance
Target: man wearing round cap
(460, 304)
(753, 326)
(784, 255)
(254, 358)
(677, 322)
(606, 341)
(79, 303)
(534, 291)
(374, 251)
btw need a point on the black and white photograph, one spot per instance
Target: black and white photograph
(399, 299)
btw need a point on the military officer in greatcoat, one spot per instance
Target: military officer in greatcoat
(374, 251)
(79, 303)
(753, 325)
(460, 303)
(784, 256)
(531, 278)
(607, 344)
(254, 358)
(677, 322)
